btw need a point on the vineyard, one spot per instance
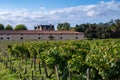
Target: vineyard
(61, 60)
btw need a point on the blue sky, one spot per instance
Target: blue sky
(49, 4)
(33, 12)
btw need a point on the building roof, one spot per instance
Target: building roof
(38, 32)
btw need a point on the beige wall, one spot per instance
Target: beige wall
(17, 37)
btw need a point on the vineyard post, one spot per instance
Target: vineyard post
(57, 73)
(88, 74)
(44, 64)
(32, 76)
(34, 61)
(69, 72)
(39, 66)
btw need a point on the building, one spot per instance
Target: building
(40, 33)
(45, 27)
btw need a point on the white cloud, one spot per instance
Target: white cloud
(92, 13)
(103, 11)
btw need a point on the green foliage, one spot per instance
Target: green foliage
(9, 27)
(2, 27)
(109, 29)
(63, 26)
(81, 28)
(104, 57)
(98, 59)
(20, 27)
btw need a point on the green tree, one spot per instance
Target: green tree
(59, 26)
(20, 27)
(2, 27)
(9, 27)
(63, 26)
(116, 28)
(81, 27)
(91, 31)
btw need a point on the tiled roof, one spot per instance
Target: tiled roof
(38, 32)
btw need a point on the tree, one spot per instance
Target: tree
(72, 29)
(81, 27)
(91, 31)
(63, 26)
(20, 27)
(9, 27)
(59, 26)
(2, 27)
(116, 28)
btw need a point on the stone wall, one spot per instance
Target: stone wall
(21, 37)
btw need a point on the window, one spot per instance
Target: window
(60, 37)
(8, 38)
(1, 34)
(76, 37)
(51, 37)
(39, 37)
(8, 34)
(61, 34)
(1, 38)
(21, 38)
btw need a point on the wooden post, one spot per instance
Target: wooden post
(69, 72)
(88, 74)
(20, 76)
(32, 77)
(39, 68)
(57, 73)
(44, 65)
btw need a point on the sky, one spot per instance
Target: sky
(34, 12)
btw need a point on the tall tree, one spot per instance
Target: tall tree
(81, 27)
(91, 31)
(116, 28)
(63, 26)
(20, 27)
(59, 26)
(9, 27)
(2, 27)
